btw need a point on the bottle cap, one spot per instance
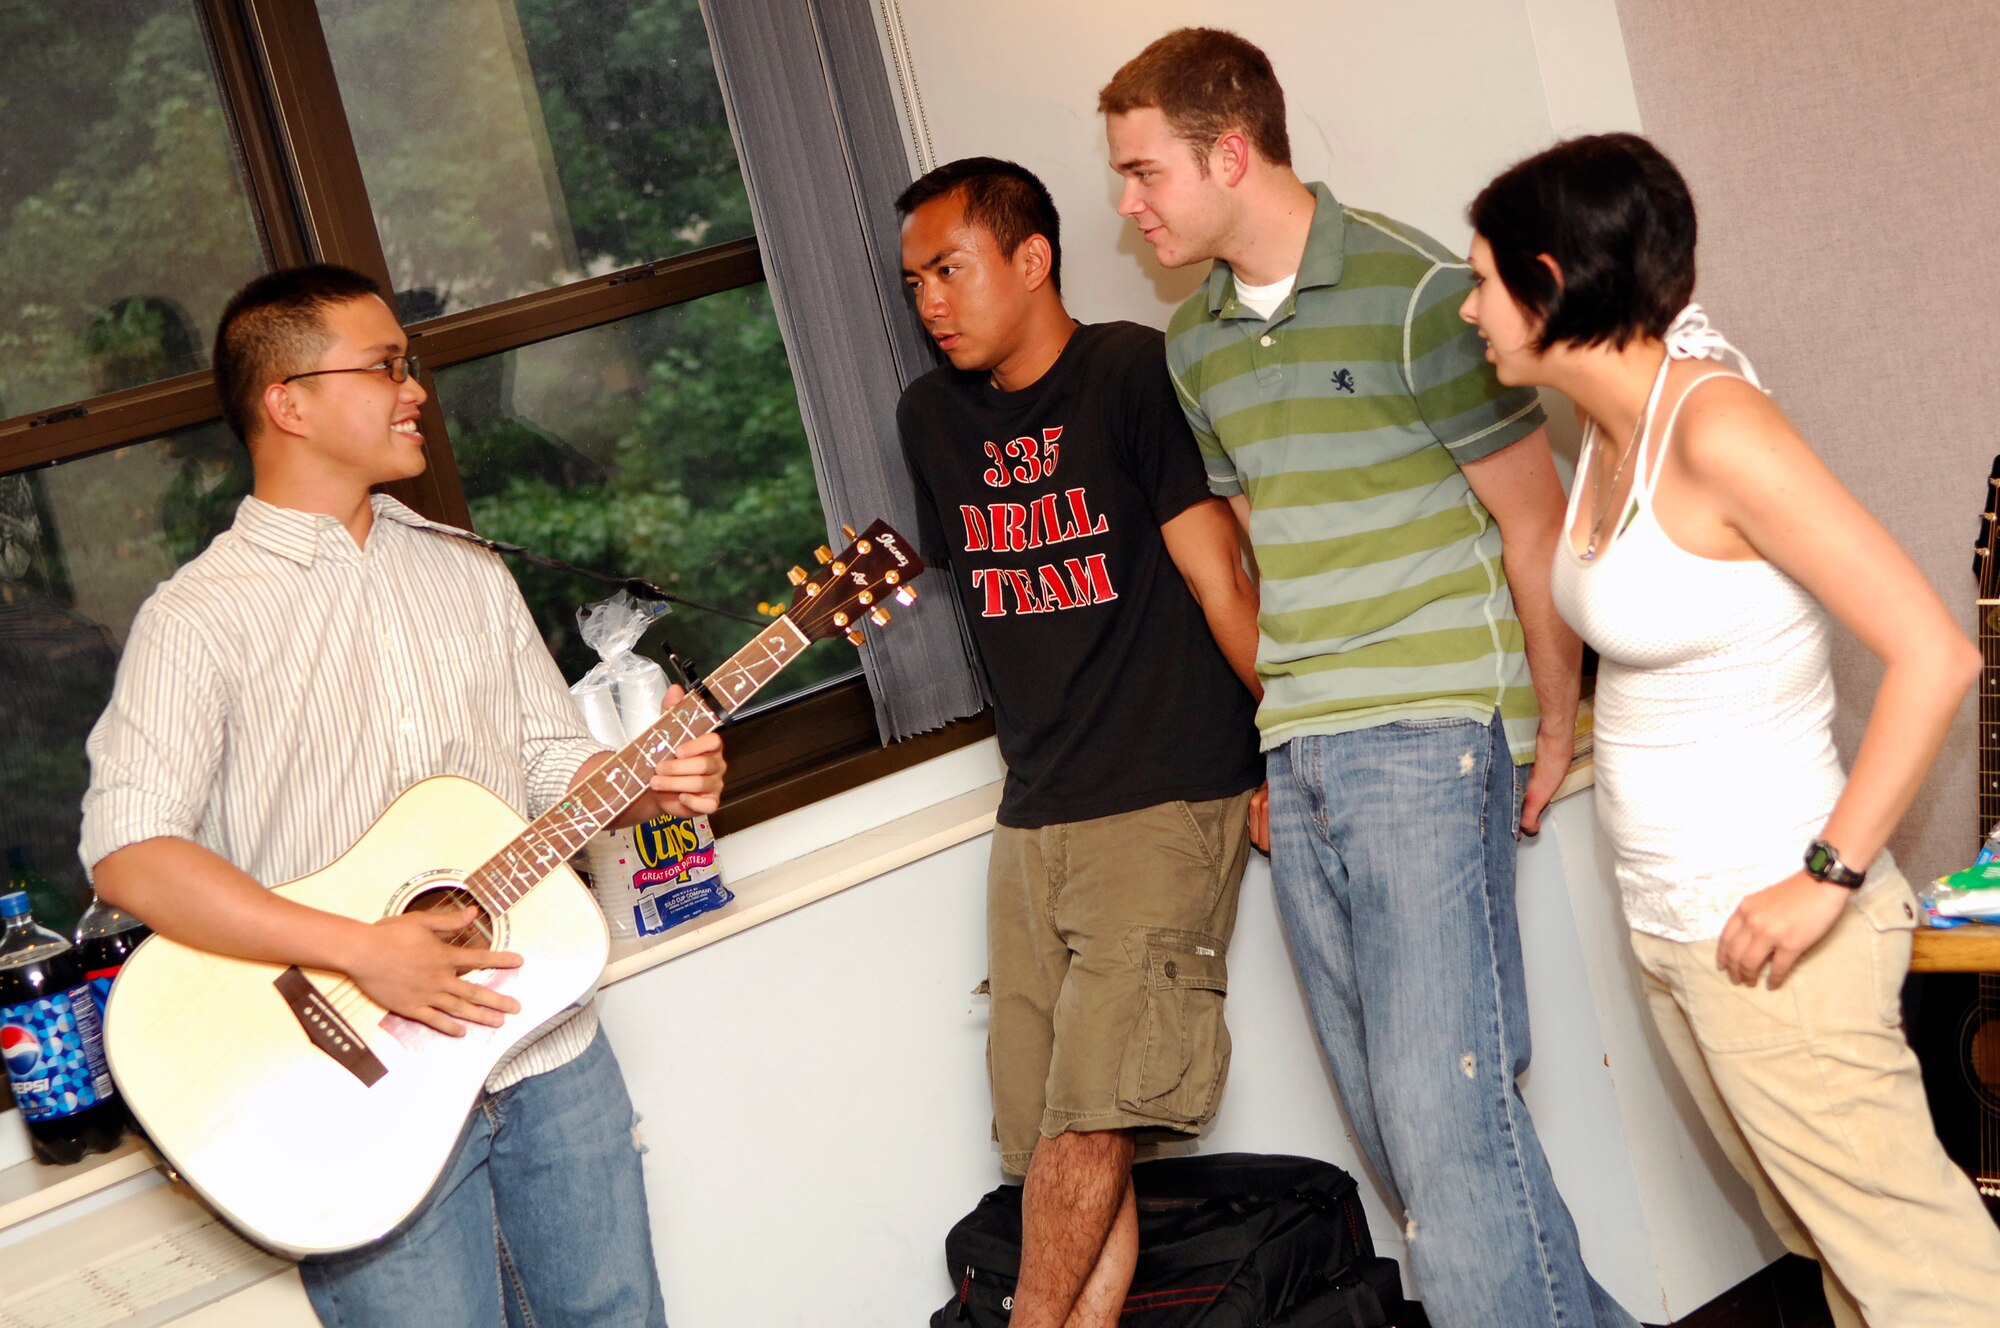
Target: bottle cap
(14, 904)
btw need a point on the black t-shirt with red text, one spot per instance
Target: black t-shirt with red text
(1046, 506)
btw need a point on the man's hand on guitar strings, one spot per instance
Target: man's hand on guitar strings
(406, 964)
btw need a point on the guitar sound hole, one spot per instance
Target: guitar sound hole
(478, 934)
(1979, 1057)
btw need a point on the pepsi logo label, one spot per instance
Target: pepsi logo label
(54, 1058)
(22, 1050)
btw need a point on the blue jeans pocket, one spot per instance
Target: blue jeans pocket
(1441, 722)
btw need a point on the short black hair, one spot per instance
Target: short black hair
(276, 326)
(1003, 198)
(1617, 218)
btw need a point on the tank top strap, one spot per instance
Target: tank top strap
(1649, 468)
(1689, 337)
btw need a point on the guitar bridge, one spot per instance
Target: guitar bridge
(325, 1028)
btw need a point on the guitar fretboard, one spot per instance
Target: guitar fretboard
(556, 836)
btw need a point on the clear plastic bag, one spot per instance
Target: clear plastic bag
(620, 697)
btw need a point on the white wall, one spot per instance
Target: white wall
(1402, 106)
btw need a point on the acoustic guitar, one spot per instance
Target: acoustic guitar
(1955, 1017)
(315, 1120)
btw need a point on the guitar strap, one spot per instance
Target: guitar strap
(632, 585)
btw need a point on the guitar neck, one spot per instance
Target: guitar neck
(1988, 613)
(558, 834)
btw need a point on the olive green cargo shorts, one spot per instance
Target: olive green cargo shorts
(1107, 944)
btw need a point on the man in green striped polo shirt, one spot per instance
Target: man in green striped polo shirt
(1403, 510)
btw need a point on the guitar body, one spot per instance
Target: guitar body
(282, 1137)
(1954, 1025)
(1954, 1019)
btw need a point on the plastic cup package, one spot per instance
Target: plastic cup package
(654, 876)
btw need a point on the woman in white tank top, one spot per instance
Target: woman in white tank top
(1707, 548)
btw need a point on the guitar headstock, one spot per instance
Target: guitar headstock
(1983, 568)
(853, 585)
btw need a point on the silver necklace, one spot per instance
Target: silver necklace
(1599, 510)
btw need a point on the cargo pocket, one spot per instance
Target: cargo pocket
(1178, 1055)
(1890, 910)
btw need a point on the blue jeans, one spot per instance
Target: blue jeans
(1392, 856)
(538, 1220)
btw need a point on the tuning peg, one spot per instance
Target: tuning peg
(797, 576)
(855, 637)
(906, 596)
(865, 598)
(840, 620)
(847, 530)
(824, 554)
(879, 617)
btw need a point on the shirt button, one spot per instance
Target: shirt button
(1267, 340)
(1173, 969)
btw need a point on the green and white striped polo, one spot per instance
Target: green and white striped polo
(1345, 419)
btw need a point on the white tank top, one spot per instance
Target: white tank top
(1714, 708)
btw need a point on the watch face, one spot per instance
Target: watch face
(1819, 860)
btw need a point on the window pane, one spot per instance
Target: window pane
(514, 145)
(81, 546)
(124, 224)
(667, 446)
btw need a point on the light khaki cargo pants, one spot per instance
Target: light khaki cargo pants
(1814, 1094)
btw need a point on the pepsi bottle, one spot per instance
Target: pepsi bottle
(49, 1036)
(105, 938)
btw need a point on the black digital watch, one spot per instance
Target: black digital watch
(1823, 864)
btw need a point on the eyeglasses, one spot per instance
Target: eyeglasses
(400, 369)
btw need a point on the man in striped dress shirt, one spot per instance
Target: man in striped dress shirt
(1403, 508)
(275, 695)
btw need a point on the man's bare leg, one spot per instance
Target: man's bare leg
(1077, 1190)
(1103, 1298)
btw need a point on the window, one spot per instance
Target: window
(667, 445)
(549, 188)
(514, 145)
(81, 546)
(127, 224)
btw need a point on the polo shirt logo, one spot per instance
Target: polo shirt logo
(1343, 379)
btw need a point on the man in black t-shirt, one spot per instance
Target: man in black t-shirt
(1059, 487)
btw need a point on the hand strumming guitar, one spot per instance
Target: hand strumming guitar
(404, 963)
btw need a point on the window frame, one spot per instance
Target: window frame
(309, 202)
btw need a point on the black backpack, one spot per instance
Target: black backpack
(1226, 1240)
